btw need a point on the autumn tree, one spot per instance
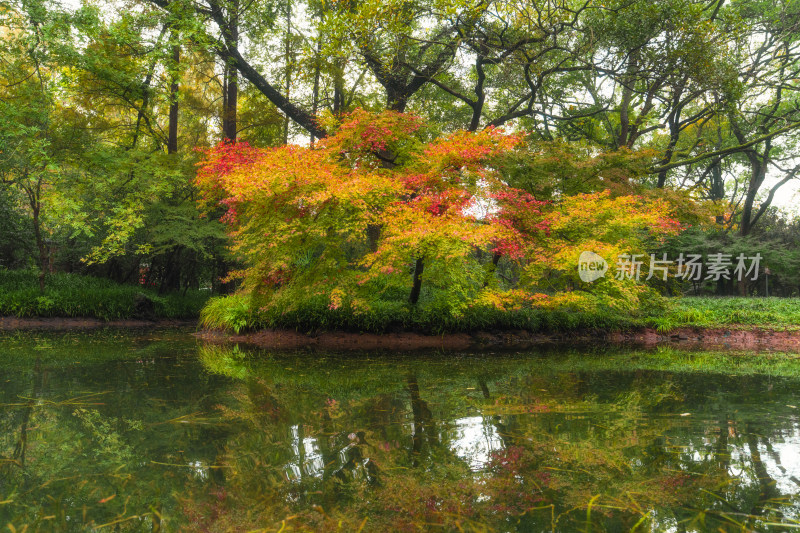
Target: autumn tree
(299, 220)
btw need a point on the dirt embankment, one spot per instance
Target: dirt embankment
(738, 339)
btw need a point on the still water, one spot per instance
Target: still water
(148, 432)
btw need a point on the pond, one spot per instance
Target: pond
(117, 431)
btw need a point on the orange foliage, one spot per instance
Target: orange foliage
(347, 219)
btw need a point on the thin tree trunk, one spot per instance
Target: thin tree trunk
(315, 90)
(33, 199)
(757, 176)
(338, 89)
(419, 266)
(231, 105)
(230, 88)
(288, 60)
(172, 139)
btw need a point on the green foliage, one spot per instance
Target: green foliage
(236, 313)
(776, 240)
(72, 295)
(16, 242)
(718, 312)
(85, 182)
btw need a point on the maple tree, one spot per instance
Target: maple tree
(334, 224)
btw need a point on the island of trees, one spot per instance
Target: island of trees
(437, 165)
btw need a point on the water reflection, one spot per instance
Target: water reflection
(534, 442)
(307, 456)
(145, 434)
(475, 441)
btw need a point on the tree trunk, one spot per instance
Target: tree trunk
(172, 139)
(396, 100)
(417, 286)
(480, 94)
(230, 88)
(288, 67)
(757, 176)
(40, 245)
(490, 274)
(315, 90)
(373, 235)
(338, 89)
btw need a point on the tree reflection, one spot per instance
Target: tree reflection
(417, 442)
(228, 440)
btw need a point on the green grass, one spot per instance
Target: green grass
(729, 312)
(234, 313)
(72, 295)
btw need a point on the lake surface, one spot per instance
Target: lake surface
(156, 432)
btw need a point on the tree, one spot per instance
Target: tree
(36, 131)
(767, 106)
(299, 219)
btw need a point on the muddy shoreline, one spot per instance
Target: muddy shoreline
(737, 338)
(756, 339)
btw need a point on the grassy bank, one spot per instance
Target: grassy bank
(72, 295)
(234, 313)
(729, 312)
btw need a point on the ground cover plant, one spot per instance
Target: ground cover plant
(741, 312)
(72, 295)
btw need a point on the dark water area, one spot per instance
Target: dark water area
(114, 431)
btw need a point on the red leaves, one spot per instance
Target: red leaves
(416, 182)
(668, 226)
(225, 157)
(218, 162)
(338, 219)
(362, 133)
(438, 203)
(524, 216)
(521, 211)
